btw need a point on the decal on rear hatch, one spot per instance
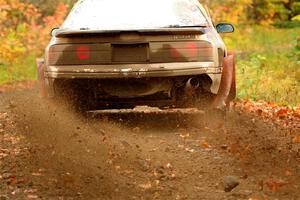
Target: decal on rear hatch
(185, 37)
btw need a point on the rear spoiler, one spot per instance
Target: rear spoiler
(68, 33)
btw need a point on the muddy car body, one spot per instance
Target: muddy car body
(112, 53)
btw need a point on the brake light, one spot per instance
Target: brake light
(83, 52)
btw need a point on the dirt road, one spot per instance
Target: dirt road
(48, 152)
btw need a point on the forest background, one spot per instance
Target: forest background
(267, 42)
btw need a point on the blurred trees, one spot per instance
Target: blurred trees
(280, 10)
(25, 29)
(48, 7)
(254, 11)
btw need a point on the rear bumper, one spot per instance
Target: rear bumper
(132, 70)
(121, 71)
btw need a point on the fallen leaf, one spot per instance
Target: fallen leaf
(162, 142)
(273, 185)
(190, 150)
(169, 166)
(30, 191)
(13, 180)
(146, 186)
(184, 136)
(128, 172)
(36, 174)
(204, 144)
(296, 139)
(32, 196)
(235, 148)
(261, 185)
(282, 112)
(136, 129)
(288, 173)
(104, 139)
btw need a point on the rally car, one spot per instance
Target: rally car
(121, 54)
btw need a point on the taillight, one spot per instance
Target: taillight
(83, 52)
(79, 54)
(184, 50)
(181, 51)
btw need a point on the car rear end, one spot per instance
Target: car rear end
(176, 65)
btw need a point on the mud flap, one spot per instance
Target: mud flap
(41, 78)
(232, 93)
(227, 89)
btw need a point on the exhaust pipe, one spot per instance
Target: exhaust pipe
(191, 85)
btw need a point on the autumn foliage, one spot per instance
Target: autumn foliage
(24, 31)
(262, 12)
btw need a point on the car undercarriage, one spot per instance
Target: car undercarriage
(182, 91)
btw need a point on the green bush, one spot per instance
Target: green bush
(20, 72)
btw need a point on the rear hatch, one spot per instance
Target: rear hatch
(129, 47)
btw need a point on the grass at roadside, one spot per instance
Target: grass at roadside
(21, 71)
(268, 64)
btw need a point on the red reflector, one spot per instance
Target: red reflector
(193, 51)
(83, 52)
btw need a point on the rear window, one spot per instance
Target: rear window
(134, 14)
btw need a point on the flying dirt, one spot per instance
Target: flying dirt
(49, 152)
